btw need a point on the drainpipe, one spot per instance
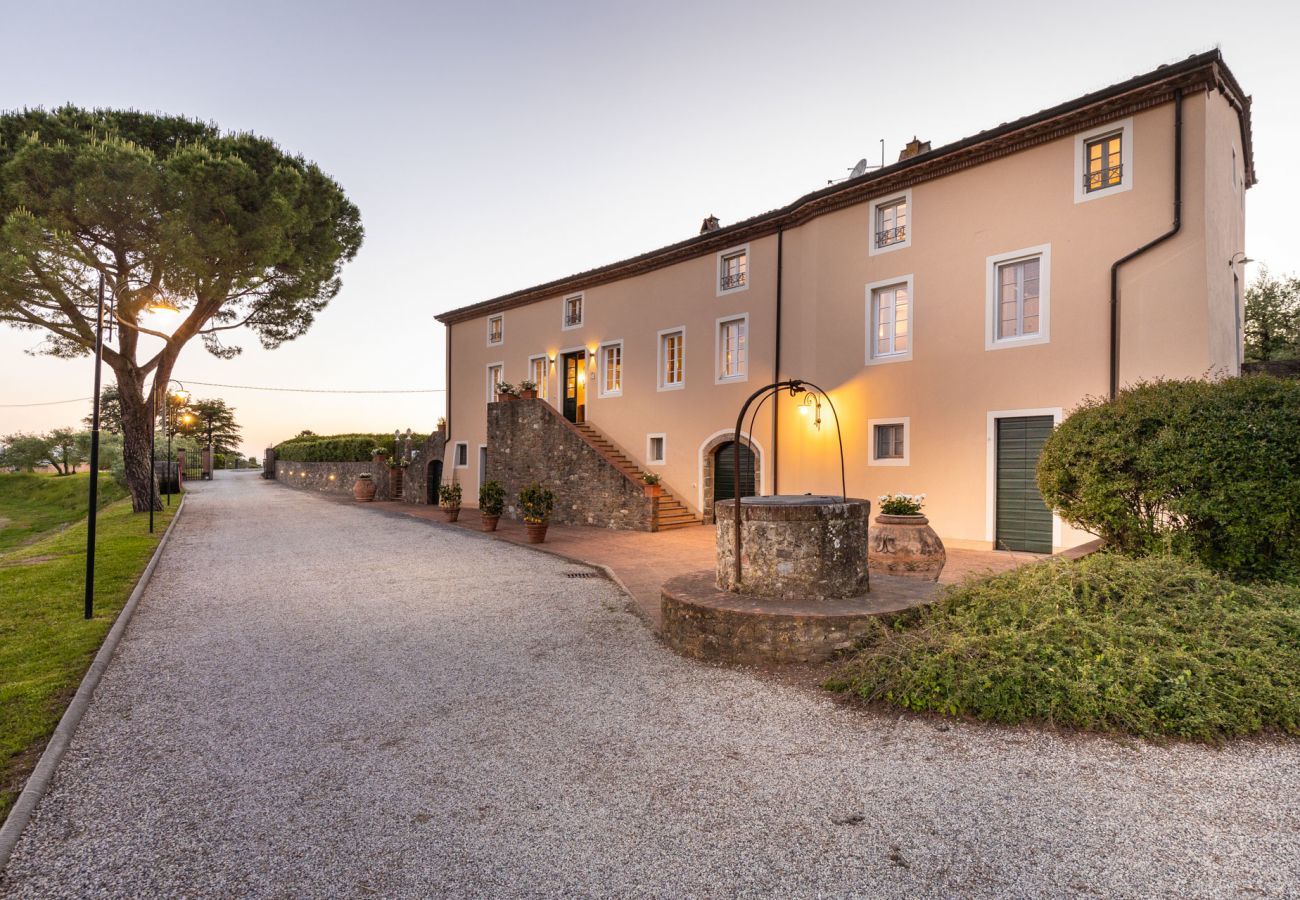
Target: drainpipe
(447, 382)
(776, 366)
(1178, 224)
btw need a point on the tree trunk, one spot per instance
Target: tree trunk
(137, 424)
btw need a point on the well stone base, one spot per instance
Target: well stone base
(706, 623)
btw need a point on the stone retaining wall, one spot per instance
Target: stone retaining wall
(330, 477)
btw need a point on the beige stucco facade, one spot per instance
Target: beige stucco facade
(1180, 317)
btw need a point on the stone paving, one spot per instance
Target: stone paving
(317, 701)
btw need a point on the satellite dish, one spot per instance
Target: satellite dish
(858, 169)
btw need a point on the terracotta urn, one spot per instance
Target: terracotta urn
(363, 489)
(906, 546)
(449, 513)
(490, 522)
(653, 490)
(528, 395)
(536, 531)
(502, 398)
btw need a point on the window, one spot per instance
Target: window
(889, 320)
(1017, 306)
(891, 223)
(573, 312)
(733, 270)
(889, 438)
(495, 375)
(460, 457)
(496, 329)
(1103, 161)
(655, 449)
(611, 369)
(539, 373)
(672, 359)
(733, 348)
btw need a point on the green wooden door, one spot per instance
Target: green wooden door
(1023, 521)
(724, 472)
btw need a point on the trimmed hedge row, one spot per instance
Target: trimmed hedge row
(336, 447)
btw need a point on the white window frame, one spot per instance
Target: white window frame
(544, 385)
(872, 359)
(488, 383)
(905, 459)
(600, 369)
(581, 297)
(718, 376)
(490, 319)
(723, 254)
(455, 455)
(1124, 128)
(661, 384)
(1044, 335)
(991, 468)
(874, 210)
(649, 442)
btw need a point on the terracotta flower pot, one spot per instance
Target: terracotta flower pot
(528, 395)
(449, 513)
(536, 531)
(364, 489)
(653, 490)
(490, 522)
(906, 546)
(502, 398)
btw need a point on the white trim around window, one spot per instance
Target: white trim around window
(1124, 128)
(991, 467)
(602, 374)
(456, 449)
(874, 212)
(740, 353)
(543, 383)
(720, 272)
(564, 311)
(660, 365)
(904, 460)
(650, 439)
(491, 383)
(1042, 252)
(501, 336)
(874, 357)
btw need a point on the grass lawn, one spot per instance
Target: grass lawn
(1154, 646)
(32, 504)
(45, 644)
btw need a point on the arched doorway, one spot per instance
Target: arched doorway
(726, 478)
(432, 480)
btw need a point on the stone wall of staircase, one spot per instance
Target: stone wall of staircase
(528, 440)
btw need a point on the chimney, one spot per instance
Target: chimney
(710, 224)
(913, 148)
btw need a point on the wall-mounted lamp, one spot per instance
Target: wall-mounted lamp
(811, 402)
(1233, 261)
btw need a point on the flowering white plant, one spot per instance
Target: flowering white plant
(901, 504)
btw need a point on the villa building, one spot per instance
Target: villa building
(953, 305)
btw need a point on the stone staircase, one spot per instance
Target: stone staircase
(670, 512)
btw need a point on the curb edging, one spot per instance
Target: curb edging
(39, 781)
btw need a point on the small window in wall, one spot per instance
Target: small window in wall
(889, 439)
(891, 222)
(1018, 303)
(733, 349)
(460, 458)
(672, 359)
(573, 311)
(496, 329)
(1103, 161)
(733, 270)
(655, 450)
(495, 375)
(538, 372)
(611, 369)
(889, 320)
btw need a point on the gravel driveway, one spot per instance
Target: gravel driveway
(315, 700)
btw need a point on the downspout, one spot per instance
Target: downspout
(1178, 224)
(447, 389)
(776, 366)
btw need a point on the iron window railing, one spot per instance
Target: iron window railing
(1098, 179)
(891, 236)
(733, 281)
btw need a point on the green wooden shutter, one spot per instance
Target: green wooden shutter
(1023, 520)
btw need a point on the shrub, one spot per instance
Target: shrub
(309, 447)
(536, 503)
(449, 495)
(1208, 469)
(901, 504)
(651, 478)
(491, 498)
(1152, 646)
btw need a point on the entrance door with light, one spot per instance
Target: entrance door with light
(574, 368)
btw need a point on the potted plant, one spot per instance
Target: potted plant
(491, 502)
(650, 484)
(536, 504)
(449, 501)
(506, 391)
(901, 542)
(363, 489)
(527, 390)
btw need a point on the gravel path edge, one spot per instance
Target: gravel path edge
(39, 781)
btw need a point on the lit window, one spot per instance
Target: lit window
(889, 441)
(733, 270)
(890, 320)
(891, 222)
(495, 374)
(611, 369)
(573, 311)
(732, 348)
(496, 329)
(538, 374)
(672, 359)
(655, 448)
(1017, 298)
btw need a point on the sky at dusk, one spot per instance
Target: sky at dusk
(492, 146)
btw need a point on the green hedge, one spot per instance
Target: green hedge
(337, 447)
